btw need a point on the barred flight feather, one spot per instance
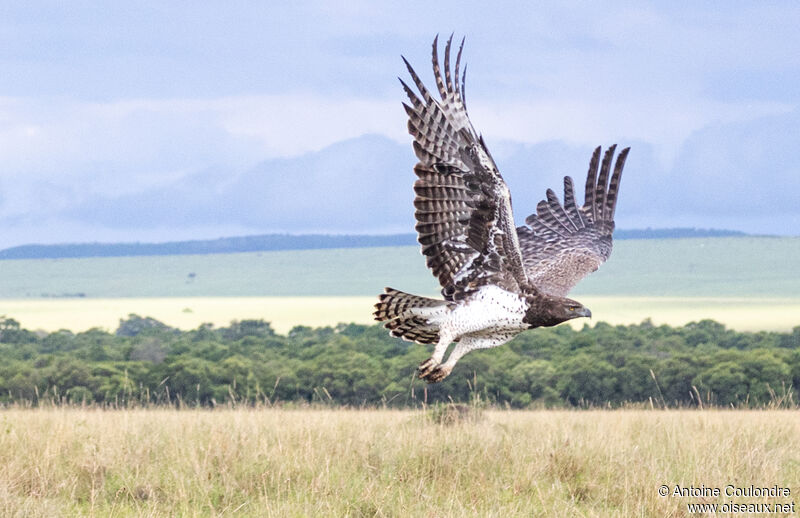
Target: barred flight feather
(591, 180)
(602, 181)
(569, 202)
(457, 206)
(558, 212)
(613, 187)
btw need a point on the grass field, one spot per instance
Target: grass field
(272, 462)
(740, 313)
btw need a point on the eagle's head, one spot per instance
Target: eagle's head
(545, 310)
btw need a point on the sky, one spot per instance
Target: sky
(166, 121)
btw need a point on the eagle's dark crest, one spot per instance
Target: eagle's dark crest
(497, 280)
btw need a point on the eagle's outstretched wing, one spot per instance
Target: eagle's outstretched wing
(463, 206)
(563, 244)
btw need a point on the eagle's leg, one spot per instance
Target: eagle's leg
(431, 363)
(441, 370)
(465, 345)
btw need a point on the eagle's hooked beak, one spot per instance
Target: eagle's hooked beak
(585, 312)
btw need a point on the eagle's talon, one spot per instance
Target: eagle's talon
(437, 374)
(426, 367)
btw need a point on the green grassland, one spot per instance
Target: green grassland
(710, 267)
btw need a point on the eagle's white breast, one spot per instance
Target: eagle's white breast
(491, 311)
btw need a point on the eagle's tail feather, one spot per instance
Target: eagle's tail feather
(410, 317)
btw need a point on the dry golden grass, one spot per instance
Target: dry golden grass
(80, 314)
(273, 462)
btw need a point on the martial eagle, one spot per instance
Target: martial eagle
(497, 280)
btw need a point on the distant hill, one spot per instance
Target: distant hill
(260, 243)
(271, 242)
(667, 233)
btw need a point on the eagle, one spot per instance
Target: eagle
(497, 279)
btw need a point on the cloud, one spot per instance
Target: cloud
(738, 175)
(57, 154)
(360, 185)
(191, 169)
(744, 169)
(589, 123)
(99, 106)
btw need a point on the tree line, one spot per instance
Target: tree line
(146, 362)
